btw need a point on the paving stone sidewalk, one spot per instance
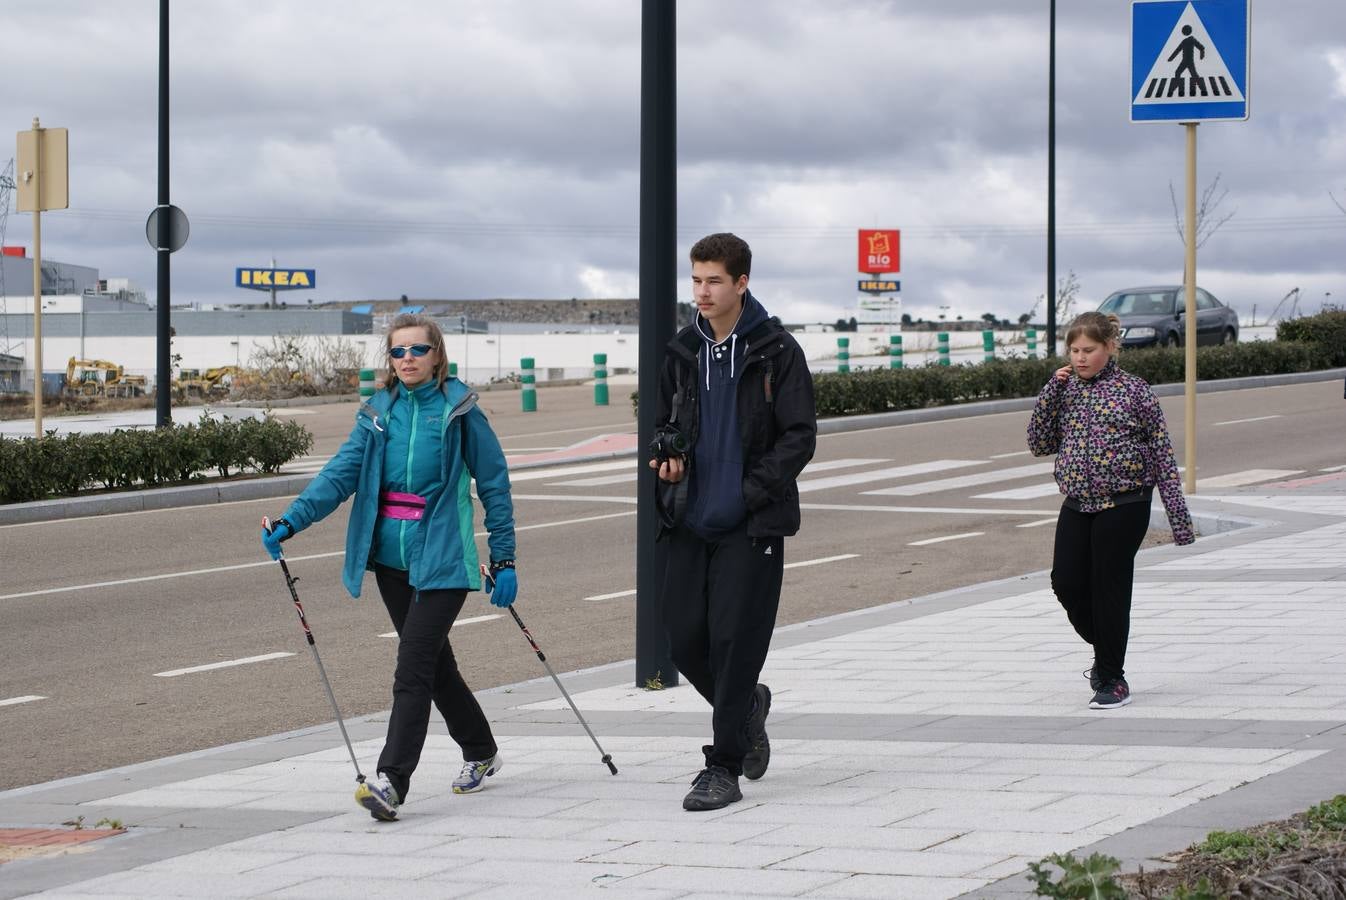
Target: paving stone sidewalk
(923, 749)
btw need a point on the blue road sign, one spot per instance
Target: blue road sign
(1189, 60)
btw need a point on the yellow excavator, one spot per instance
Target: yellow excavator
(211, 383)
(101, 378)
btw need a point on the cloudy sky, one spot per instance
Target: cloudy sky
(457, 149)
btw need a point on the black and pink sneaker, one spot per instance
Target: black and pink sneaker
(1112, 695)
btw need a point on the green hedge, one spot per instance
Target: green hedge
(1327, 328)
(60, 465)
(885, 390)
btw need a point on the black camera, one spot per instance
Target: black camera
(669, 441)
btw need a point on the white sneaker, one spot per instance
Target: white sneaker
(474, 772)
(379, 797)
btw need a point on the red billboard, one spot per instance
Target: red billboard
(879, 251)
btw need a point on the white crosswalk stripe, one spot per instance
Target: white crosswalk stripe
(1247, 476)
(1031, 492)
(962, 481)
(601, 480)
(925, 468)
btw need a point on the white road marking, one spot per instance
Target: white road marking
(613, 596)
(515, 451)
(15, 701)
(962, 481)
(947, 537)
(266, 562)
(1253, 419)
(794, 565)
(598, 480)
(1008, 455)
(841, 464)
(173, 673)
(1036, 524)
(558, 471)
(925, 468)
(120, 581)
(936, 510)
(820, 560)
(1031, 492)
(571, 497)
(1247, 476)
(470, 620)
(1334, 469)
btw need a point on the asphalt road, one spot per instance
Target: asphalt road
(94, 612)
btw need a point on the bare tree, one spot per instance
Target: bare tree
(1208, 216)
(1067, 290)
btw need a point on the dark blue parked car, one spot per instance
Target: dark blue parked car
(1157, 315)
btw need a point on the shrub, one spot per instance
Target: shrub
(61, 465)
(1327, 329)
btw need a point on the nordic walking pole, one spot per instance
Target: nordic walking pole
(542, 657)
(322, 672)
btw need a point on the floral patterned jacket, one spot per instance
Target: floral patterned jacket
(1109, 437)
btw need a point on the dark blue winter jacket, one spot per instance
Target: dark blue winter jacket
(715, 503)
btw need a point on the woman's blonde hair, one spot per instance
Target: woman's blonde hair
(409, 320)
(1096, 326)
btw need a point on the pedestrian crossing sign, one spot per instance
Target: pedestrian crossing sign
(1189, 60)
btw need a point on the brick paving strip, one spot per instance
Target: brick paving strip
(923, 749)
(30, 843)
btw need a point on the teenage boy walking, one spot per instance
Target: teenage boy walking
(736, 425)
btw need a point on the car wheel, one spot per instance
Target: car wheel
(1230, 336)
(1172, 340)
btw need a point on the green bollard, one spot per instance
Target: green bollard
(453, 370)
(600, 379)
(943, 348)
(843, 354)
(894, 351)
(529, 385)
(366, 383)
(1031, 336)
(987, 346)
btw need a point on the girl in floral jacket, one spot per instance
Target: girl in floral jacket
(1112, 450)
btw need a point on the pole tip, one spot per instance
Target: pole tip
(607, 759)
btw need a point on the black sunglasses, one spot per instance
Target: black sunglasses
(416, 350)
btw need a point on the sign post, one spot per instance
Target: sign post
(43, 183)
(1189, 64)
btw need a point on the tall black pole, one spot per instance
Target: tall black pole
(163, 379)
(1051, 184)
(658, 304)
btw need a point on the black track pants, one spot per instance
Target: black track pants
(719, 608)
(1092, 568)
(426, 672)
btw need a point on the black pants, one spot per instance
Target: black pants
(719, 604)
(1092, 568)
(426, 672)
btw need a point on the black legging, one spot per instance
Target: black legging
(426, 671)
(1092, 568)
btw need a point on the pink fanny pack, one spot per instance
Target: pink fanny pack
(397, 505)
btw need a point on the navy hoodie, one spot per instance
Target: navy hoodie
(715, 504)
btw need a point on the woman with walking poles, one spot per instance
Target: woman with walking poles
(410, 460)
(1112, 450)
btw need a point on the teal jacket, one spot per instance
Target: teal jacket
(443, 551)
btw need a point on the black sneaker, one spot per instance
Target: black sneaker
(714, 788)
(759, 756)
(1095, 683)
(1112, 695)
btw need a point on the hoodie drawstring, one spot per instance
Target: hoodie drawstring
(711, 344)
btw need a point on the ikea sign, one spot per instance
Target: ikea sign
(275, 279)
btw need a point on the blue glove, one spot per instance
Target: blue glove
(280, 530)
(504, 588)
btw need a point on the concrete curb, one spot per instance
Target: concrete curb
(286, 485)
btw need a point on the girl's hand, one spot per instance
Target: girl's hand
(1062, 373)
